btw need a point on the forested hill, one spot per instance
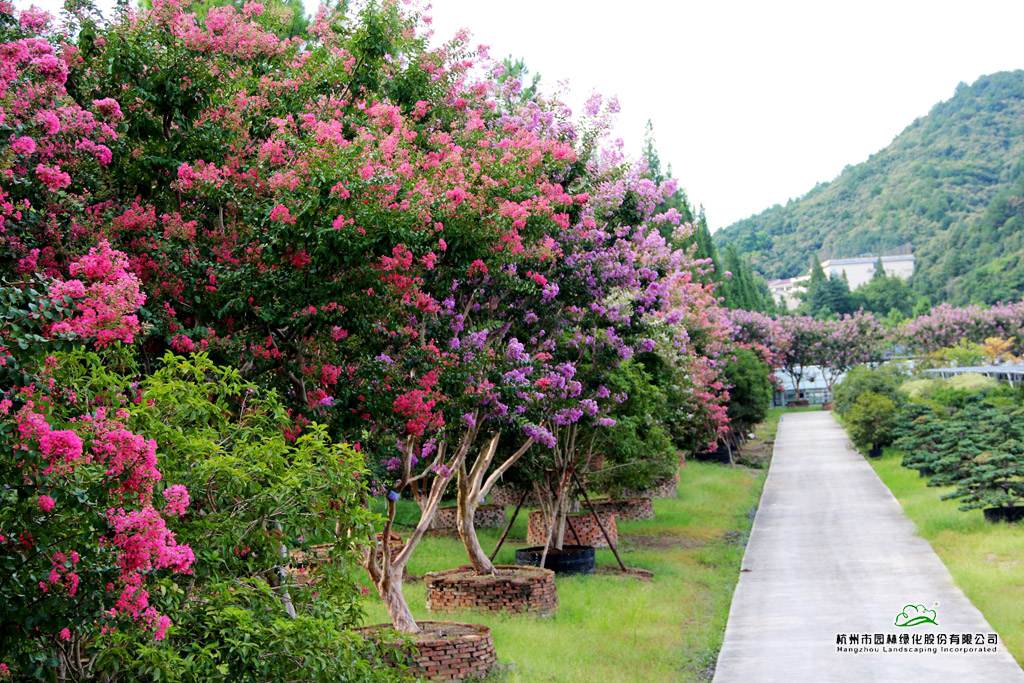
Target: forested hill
(951, 185)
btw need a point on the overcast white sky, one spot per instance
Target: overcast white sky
(753, 102)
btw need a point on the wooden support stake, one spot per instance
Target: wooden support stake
(593, 511)
(509, 525)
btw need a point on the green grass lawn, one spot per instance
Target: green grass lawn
(611, 627)
(986, 560)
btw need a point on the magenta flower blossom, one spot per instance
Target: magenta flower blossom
(53, 177)
(49, 121)
(45, 503)
(24, 145)
(177, 500)
(109, 108)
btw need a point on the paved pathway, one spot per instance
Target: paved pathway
(832, 554)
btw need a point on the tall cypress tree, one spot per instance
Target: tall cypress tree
(879, 273)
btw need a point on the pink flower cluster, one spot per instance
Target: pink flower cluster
(106, 305)
(62, 448)
(125, 464)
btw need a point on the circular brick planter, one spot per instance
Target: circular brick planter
(586, 527)
(486, 517)
(504, 495)
(515, 589)
(663, 489)
(447, 650)
(501, 495)
(632, 509)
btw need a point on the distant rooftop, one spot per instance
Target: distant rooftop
(1005, 373)
(866, 258)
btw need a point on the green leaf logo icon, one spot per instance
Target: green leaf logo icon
(915, 615)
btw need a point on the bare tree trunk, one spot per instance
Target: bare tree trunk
(387, 573)
(472, 489)
(390, 589)
(561, 513)
(477, 557)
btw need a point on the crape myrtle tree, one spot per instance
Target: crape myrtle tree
(102, 545)
(767, 337)
(106, 550)
(614, 300)
(523, 367)
(306, 209)
(847, 342)
(699, 389)
(946, 326)
(806, 336)
(259, 501)
(759, 346)
(82, 529)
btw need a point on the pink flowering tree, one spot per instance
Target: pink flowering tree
(275, 524)
(945, 326)
(59, 148)
(762, 334)
(806, 336)
(397, 245)
(83, 529)
(701, 418)
(83, 534)
(847, 342)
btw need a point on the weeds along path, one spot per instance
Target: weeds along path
(833, 562)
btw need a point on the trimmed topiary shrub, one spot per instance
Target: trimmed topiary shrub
(884, 380)
(972, 382)
(919, 388)
(871, 419)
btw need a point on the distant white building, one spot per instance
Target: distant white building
(784, 291)
(860, 269)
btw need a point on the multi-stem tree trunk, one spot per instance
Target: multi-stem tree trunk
(385, 572)
(472, 489)
(390, 589)
(553, 493)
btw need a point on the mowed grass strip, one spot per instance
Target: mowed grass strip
(611, 627)
(985, 559)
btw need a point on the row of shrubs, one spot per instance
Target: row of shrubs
(966, 432)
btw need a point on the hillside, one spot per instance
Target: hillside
(951, 185)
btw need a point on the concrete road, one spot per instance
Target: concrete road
(833, 559)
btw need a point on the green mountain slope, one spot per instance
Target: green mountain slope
(951, 185)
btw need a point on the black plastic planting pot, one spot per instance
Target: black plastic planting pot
(571, 559)
(1013, 513)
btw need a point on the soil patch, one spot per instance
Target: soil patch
(632, 542)
(632, 572)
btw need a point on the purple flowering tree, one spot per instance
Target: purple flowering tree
(762, 334)
(609, 294)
